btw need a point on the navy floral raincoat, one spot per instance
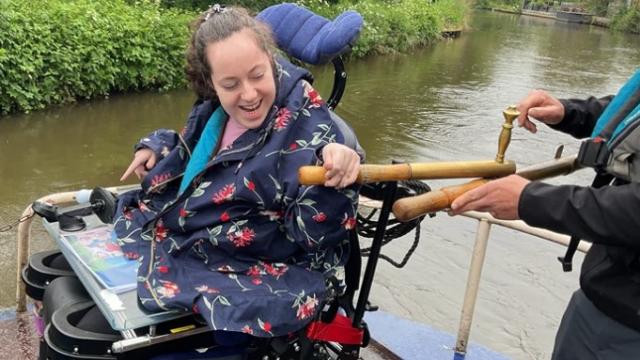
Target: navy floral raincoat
(245, 245)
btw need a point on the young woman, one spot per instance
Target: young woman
(221, 225)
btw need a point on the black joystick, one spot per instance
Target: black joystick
(101, 202)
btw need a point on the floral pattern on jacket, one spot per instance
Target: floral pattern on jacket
(245, 245)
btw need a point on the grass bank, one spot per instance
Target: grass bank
(60, 51)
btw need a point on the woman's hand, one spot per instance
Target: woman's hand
(540, 106)
(342, 164)
(143, 161)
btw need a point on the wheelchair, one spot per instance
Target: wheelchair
(83, 320)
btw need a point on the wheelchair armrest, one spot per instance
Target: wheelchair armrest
(310, 37)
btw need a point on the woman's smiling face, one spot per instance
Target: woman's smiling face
(242, 76)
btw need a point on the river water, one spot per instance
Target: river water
(443, 102)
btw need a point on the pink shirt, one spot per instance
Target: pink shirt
(232, 131)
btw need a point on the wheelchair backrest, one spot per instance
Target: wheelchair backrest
(315, 40)
(310, 37)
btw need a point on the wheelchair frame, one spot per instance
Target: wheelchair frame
(59, 336)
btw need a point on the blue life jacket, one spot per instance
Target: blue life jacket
(614, 147)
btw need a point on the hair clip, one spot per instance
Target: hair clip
(214, 9)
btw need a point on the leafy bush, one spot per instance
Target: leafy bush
(509, 5)
(58, 51)
(204, 4)
(627, 20)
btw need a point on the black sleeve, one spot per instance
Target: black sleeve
(608, 215)
(580, 116)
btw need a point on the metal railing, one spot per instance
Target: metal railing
(477, 262)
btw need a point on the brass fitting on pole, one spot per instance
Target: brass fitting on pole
(510, 114)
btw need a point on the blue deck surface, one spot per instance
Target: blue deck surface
(7, 314)
(412, 340)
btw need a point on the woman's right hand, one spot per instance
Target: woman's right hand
(342, 164)
(143, 161)
(540, 106)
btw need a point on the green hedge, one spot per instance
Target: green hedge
(204, 4)
(59, 51)
(627, 20)
(396, 25)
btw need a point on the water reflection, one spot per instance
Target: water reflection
(431, 103)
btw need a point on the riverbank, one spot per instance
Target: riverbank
(592, 20)
(59, 51)
(625, 21)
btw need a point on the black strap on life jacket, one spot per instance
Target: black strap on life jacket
(601, 179)
(595, 153)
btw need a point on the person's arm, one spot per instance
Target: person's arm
(155, 146)
(160, 141)
(572, 116)
(319, 217)
(580, 116)
(149, 151)
(607, 215)
(563, 207)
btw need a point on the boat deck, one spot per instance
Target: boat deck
(18, 338)
(396, 338)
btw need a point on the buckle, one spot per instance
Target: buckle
(566, 261)
(594, 153)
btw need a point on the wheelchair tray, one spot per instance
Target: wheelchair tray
(119, 304)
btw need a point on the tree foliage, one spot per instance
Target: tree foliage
(628, 20)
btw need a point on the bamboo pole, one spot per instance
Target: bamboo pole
(315, 175)
(409, 208)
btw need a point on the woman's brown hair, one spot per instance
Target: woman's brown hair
(216, 24)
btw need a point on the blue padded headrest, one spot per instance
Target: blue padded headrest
(310, 37)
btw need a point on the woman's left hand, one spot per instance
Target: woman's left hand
(342, 165)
